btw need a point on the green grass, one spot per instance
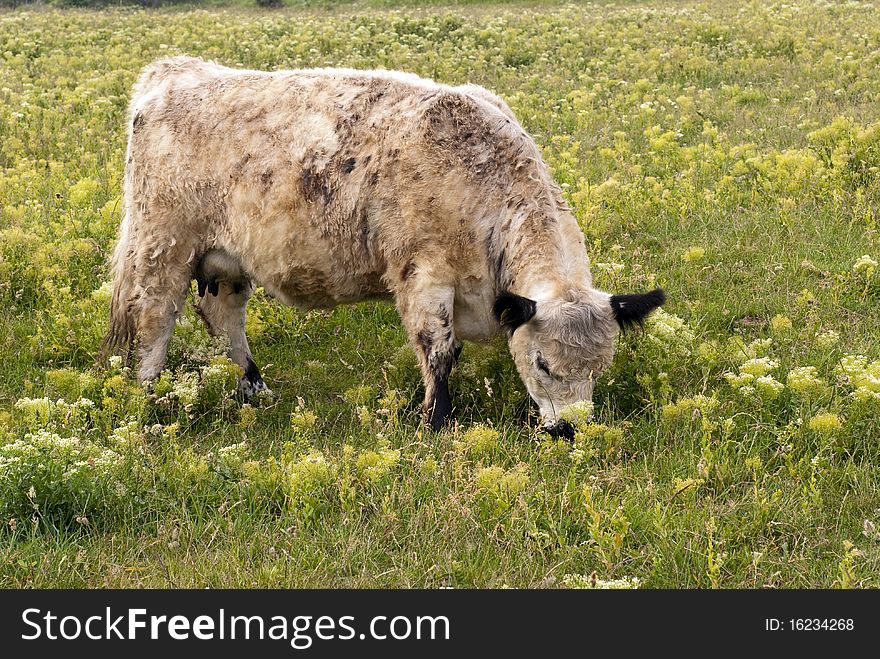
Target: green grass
(750, 132)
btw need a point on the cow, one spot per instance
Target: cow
(332, 186)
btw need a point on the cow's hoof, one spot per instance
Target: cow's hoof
(439, 424)
(254, 389)
(562, 429)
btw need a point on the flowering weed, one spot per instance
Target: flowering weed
(719, 150)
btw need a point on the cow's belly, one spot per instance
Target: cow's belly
(316, 289)
(297, 263)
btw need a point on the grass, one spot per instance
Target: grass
(728, 152)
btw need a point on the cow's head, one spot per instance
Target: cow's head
(562, 345)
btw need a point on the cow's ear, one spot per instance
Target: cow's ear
(633, 308)
(513, 310)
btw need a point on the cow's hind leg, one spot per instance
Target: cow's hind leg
(222, 304)
(157, 308)
(427, 315)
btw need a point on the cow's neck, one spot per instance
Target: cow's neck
(544, 253)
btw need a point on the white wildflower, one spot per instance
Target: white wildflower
(577, 414)
(759, 366)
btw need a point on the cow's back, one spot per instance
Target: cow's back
(324, 182)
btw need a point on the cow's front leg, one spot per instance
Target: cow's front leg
(427, 314)
(438, 404)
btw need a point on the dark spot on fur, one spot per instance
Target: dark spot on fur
(423, 338)
(266, 178)
(239, 166)
(427, 96)
(457, 352)
(499, 262)
(374, 178)
(137, 122)
(348, 165)
(364, 229)
(408, 270)
(443, 314)
(315, 188)
(465, 135)
(499, 256)
(309, 182)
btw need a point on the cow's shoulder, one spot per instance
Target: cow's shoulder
(483, 94)
(471, 131)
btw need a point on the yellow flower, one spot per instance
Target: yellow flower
(686, 407)
(478, 440)
(804, 380)
(577, 414)
(865, 265)
(827, 339)
(505, 485)
(82, 193)
(825, 424)
(374, 465)
(759, 366)
(303, 420)
(780, 324)
(693, 253)
(768, 387)
(805, 298)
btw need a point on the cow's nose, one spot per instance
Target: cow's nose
(561, 429)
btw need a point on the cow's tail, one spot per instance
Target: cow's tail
(120, 336)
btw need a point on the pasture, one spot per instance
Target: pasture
(728, 152)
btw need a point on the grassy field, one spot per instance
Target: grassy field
(728, 152)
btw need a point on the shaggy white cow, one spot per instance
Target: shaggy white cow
(329, 186)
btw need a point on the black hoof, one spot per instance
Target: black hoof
(437, 424)
(251, 389)
(562, 429)
(440, 415)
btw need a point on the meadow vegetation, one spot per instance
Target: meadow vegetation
(726, 151)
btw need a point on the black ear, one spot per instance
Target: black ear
(512, 310)
(633, 308)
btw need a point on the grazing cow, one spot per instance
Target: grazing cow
(329, 186)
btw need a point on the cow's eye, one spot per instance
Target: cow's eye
(542, 364)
